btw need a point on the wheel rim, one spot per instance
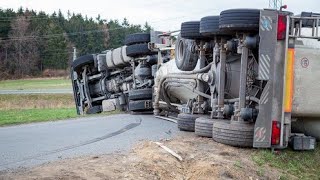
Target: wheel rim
(180, 50)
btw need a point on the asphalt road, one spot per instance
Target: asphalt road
(33, 144)
(37, 91)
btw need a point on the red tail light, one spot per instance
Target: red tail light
(163, 41)
(282, 27)
(275, 136)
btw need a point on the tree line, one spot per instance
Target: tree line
(32, 42)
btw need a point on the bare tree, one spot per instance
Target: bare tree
(23, 55)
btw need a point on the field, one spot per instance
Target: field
(27, 108)
(36, 101)
(17, 109)
(38, 83)
(11, 117)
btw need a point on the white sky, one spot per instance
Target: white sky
(161, 14)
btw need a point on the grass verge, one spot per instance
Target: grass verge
(12, 117)
(28, 108)
(303, 165)
(36, 101)
(40, 83)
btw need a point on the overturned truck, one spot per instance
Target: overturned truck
(120, 78)
(246, 77)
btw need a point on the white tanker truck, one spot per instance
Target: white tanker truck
(246, 77)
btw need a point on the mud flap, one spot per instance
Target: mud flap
(267, 68)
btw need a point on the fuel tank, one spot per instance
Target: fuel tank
(113, 59)
(176, 88)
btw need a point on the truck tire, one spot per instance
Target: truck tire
(94, 110)
(75, 91)
(186, 122)
(140, 94)
(233, 133)
(204, 125)
(209, 25)
(185, 59)
(239, 20)
(137, 38)
(139, 50)
(140, 105)
(82, 61)
(191, 30)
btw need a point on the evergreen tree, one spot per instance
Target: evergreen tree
(7, 15)
(56, 53)
(31, 41)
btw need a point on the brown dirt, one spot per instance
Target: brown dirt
(202, 159)
(35, 101)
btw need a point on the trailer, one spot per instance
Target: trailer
(252, 78)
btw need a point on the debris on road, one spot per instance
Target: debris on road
(169, 151)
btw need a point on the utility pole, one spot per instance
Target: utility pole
(74, 53)
(275, 4)
(6, 54)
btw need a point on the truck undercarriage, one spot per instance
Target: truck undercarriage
(234, 77)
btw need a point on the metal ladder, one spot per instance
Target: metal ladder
(297, 23)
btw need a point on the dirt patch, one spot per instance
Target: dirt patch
(202, 159)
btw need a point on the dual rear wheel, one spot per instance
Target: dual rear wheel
(239, 134)
(140, 100)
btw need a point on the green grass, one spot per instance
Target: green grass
(45, 83)
(303, 165)
(12, 117)
(28, 108)
(238, 164)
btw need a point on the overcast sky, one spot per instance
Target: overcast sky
(161, 14)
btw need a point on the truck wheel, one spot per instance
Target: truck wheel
(233, 133)
(209, 25)
(239, 20)
(140, 105)
(140, 94)
(82, 61)
(139, 50)
(191, 30)
(94, 110)
(185, 59)
(186, 122)
(204, 125)
(75, 92)
(137, 38)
